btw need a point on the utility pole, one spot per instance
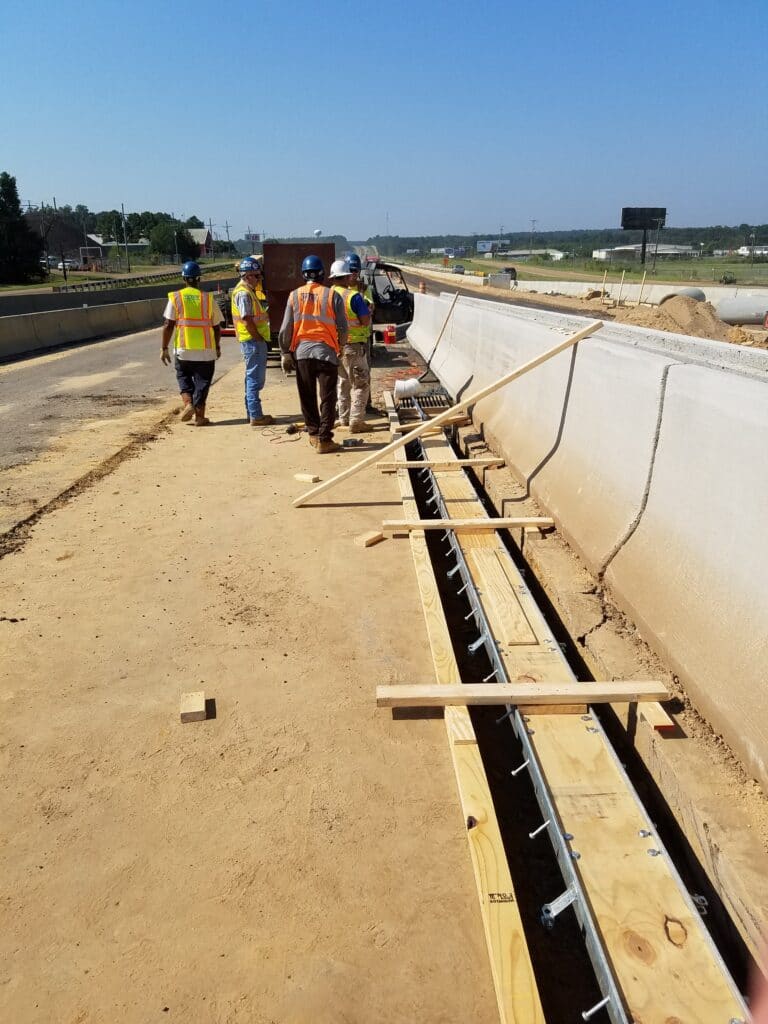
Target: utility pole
(227, 226)
(125, 240)
(63, 261)
(533, 232)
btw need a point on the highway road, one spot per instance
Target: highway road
(66, 413)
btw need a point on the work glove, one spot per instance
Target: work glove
(287, 362)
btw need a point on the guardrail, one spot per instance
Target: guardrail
(135, 281)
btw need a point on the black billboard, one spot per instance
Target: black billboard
(643, 218)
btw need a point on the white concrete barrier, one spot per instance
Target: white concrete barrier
(648, 450)
(29, 332)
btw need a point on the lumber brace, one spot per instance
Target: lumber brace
(416, 695)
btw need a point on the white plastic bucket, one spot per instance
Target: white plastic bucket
(408, 388)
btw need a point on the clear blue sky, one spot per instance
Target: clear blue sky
(440, 116)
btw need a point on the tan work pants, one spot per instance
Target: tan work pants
(354, 383)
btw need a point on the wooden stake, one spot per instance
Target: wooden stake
(442, 329)
(404, 439)
(642, 286)
(602, 290)
(621, 287)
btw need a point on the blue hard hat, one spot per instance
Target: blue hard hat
(249, 265)
(353, 261)
(191, 270)
(312, 266)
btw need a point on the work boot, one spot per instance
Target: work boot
(314, 440)
(201, 420)
(327, 447)
(358, 427)
(189, 410)
(262, 421)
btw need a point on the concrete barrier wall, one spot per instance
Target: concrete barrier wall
(41, 302)
(649, 451)
(33, 331)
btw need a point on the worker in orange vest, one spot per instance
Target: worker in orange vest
(314, 329)
(192, 319)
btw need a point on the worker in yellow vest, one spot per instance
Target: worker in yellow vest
(313, 331)
(251, 322)
(193, 320)
(354, 383)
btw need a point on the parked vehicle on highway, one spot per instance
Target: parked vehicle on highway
(68, 265)
(458, 268)
(393, 300)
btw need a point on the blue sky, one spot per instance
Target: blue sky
(427, 116)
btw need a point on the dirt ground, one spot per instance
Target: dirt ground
(298, 858)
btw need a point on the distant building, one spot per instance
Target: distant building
(525, 254)
(632, 252)
(752, 250)
(202, 239)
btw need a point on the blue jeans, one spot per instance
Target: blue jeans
(255, 356)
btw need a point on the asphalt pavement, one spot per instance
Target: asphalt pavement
(43, 397)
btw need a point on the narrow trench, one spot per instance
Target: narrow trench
(563, 970)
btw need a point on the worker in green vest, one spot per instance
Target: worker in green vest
(251, 322)
(354, 383)
(192, 319)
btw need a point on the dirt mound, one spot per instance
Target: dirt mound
(682, 315)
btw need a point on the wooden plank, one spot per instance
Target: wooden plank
(480, 523)
(461, 406)
(514, 982)
(429, 695)
(452, 421)
(505, 613)
(193, 706)
(444, 464)
(657, 943)
(307, 478)
(367, 540)
(553, 709)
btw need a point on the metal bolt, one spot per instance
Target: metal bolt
(575, 855)
(516, 771)
(644, 833)
(654, 853)
(536, 831)
(452, 572)
(567, 836)
(592, 728)
(504, 717)
(461, 591)
(490, 675)
(598, 1006)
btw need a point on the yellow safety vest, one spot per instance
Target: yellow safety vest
(358, 333)
(259, 315)
(194, 319)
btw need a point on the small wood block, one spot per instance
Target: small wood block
(307, 478)
(367, 540)
(193, 706)
(657, 717)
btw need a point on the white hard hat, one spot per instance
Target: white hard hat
(339, 268)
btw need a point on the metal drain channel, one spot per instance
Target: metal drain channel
(566, 857)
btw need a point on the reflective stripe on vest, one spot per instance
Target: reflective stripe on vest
(358, 333)
(313, 316)
(259, 315)
(194, 319)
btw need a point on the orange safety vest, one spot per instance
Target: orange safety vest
(194, 319)
(313, 316)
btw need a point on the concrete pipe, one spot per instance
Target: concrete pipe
(691, 293)
(744, 309)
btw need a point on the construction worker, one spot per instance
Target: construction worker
(313, 331)
(192, 319)
(355, 269)
(354, 384)
(252, 331)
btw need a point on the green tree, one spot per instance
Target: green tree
(20, 248)
(168, 237)
(193, 222)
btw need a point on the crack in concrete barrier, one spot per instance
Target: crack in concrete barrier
(628, 533)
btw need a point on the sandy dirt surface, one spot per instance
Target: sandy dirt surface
(298, 858)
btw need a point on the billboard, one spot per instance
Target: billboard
(643, 218)
(492, 246)
(252, 236)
